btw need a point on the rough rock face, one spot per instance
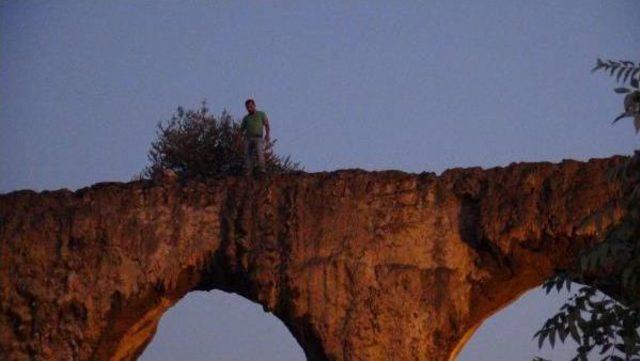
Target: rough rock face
(359, 265)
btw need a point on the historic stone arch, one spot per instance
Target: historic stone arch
(358, 265)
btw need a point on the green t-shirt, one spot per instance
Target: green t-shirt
(252, 123)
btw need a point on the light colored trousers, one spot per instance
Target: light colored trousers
(253, 148)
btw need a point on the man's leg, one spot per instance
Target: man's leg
(260, 151)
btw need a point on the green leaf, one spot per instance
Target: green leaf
(627, 74)
(548, 287)
(620, 72)
(623, 115)
(573, 330)
(563, 332)
(635, 72)
(542, 337)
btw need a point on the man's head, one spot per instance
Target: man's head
(250, 105)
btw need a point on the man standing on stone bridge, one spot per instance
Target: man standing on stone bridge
(254, 143)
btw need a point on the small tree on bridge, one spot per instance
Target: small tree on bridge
(197, 144)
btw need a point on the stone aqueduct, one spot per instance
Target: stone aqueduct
(358, 265)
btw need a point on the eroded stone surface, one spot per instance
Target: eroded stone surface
(359, 265)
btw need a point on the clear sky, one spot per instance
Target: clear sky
(422, 86)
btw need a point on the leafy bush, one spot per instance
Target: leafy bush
(598, 322)
(197, 144)
(625, 71)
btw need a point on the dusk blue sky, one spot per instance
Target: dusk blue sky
(415, 86)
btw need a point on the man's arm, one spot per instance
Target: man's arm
(266, 127)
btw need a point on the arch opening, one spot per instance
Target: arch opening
(519, 319)
(206, 325)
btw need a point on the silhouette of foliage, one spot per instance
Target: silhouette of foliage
(596, 321)
(625, 71)
(197, 144)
